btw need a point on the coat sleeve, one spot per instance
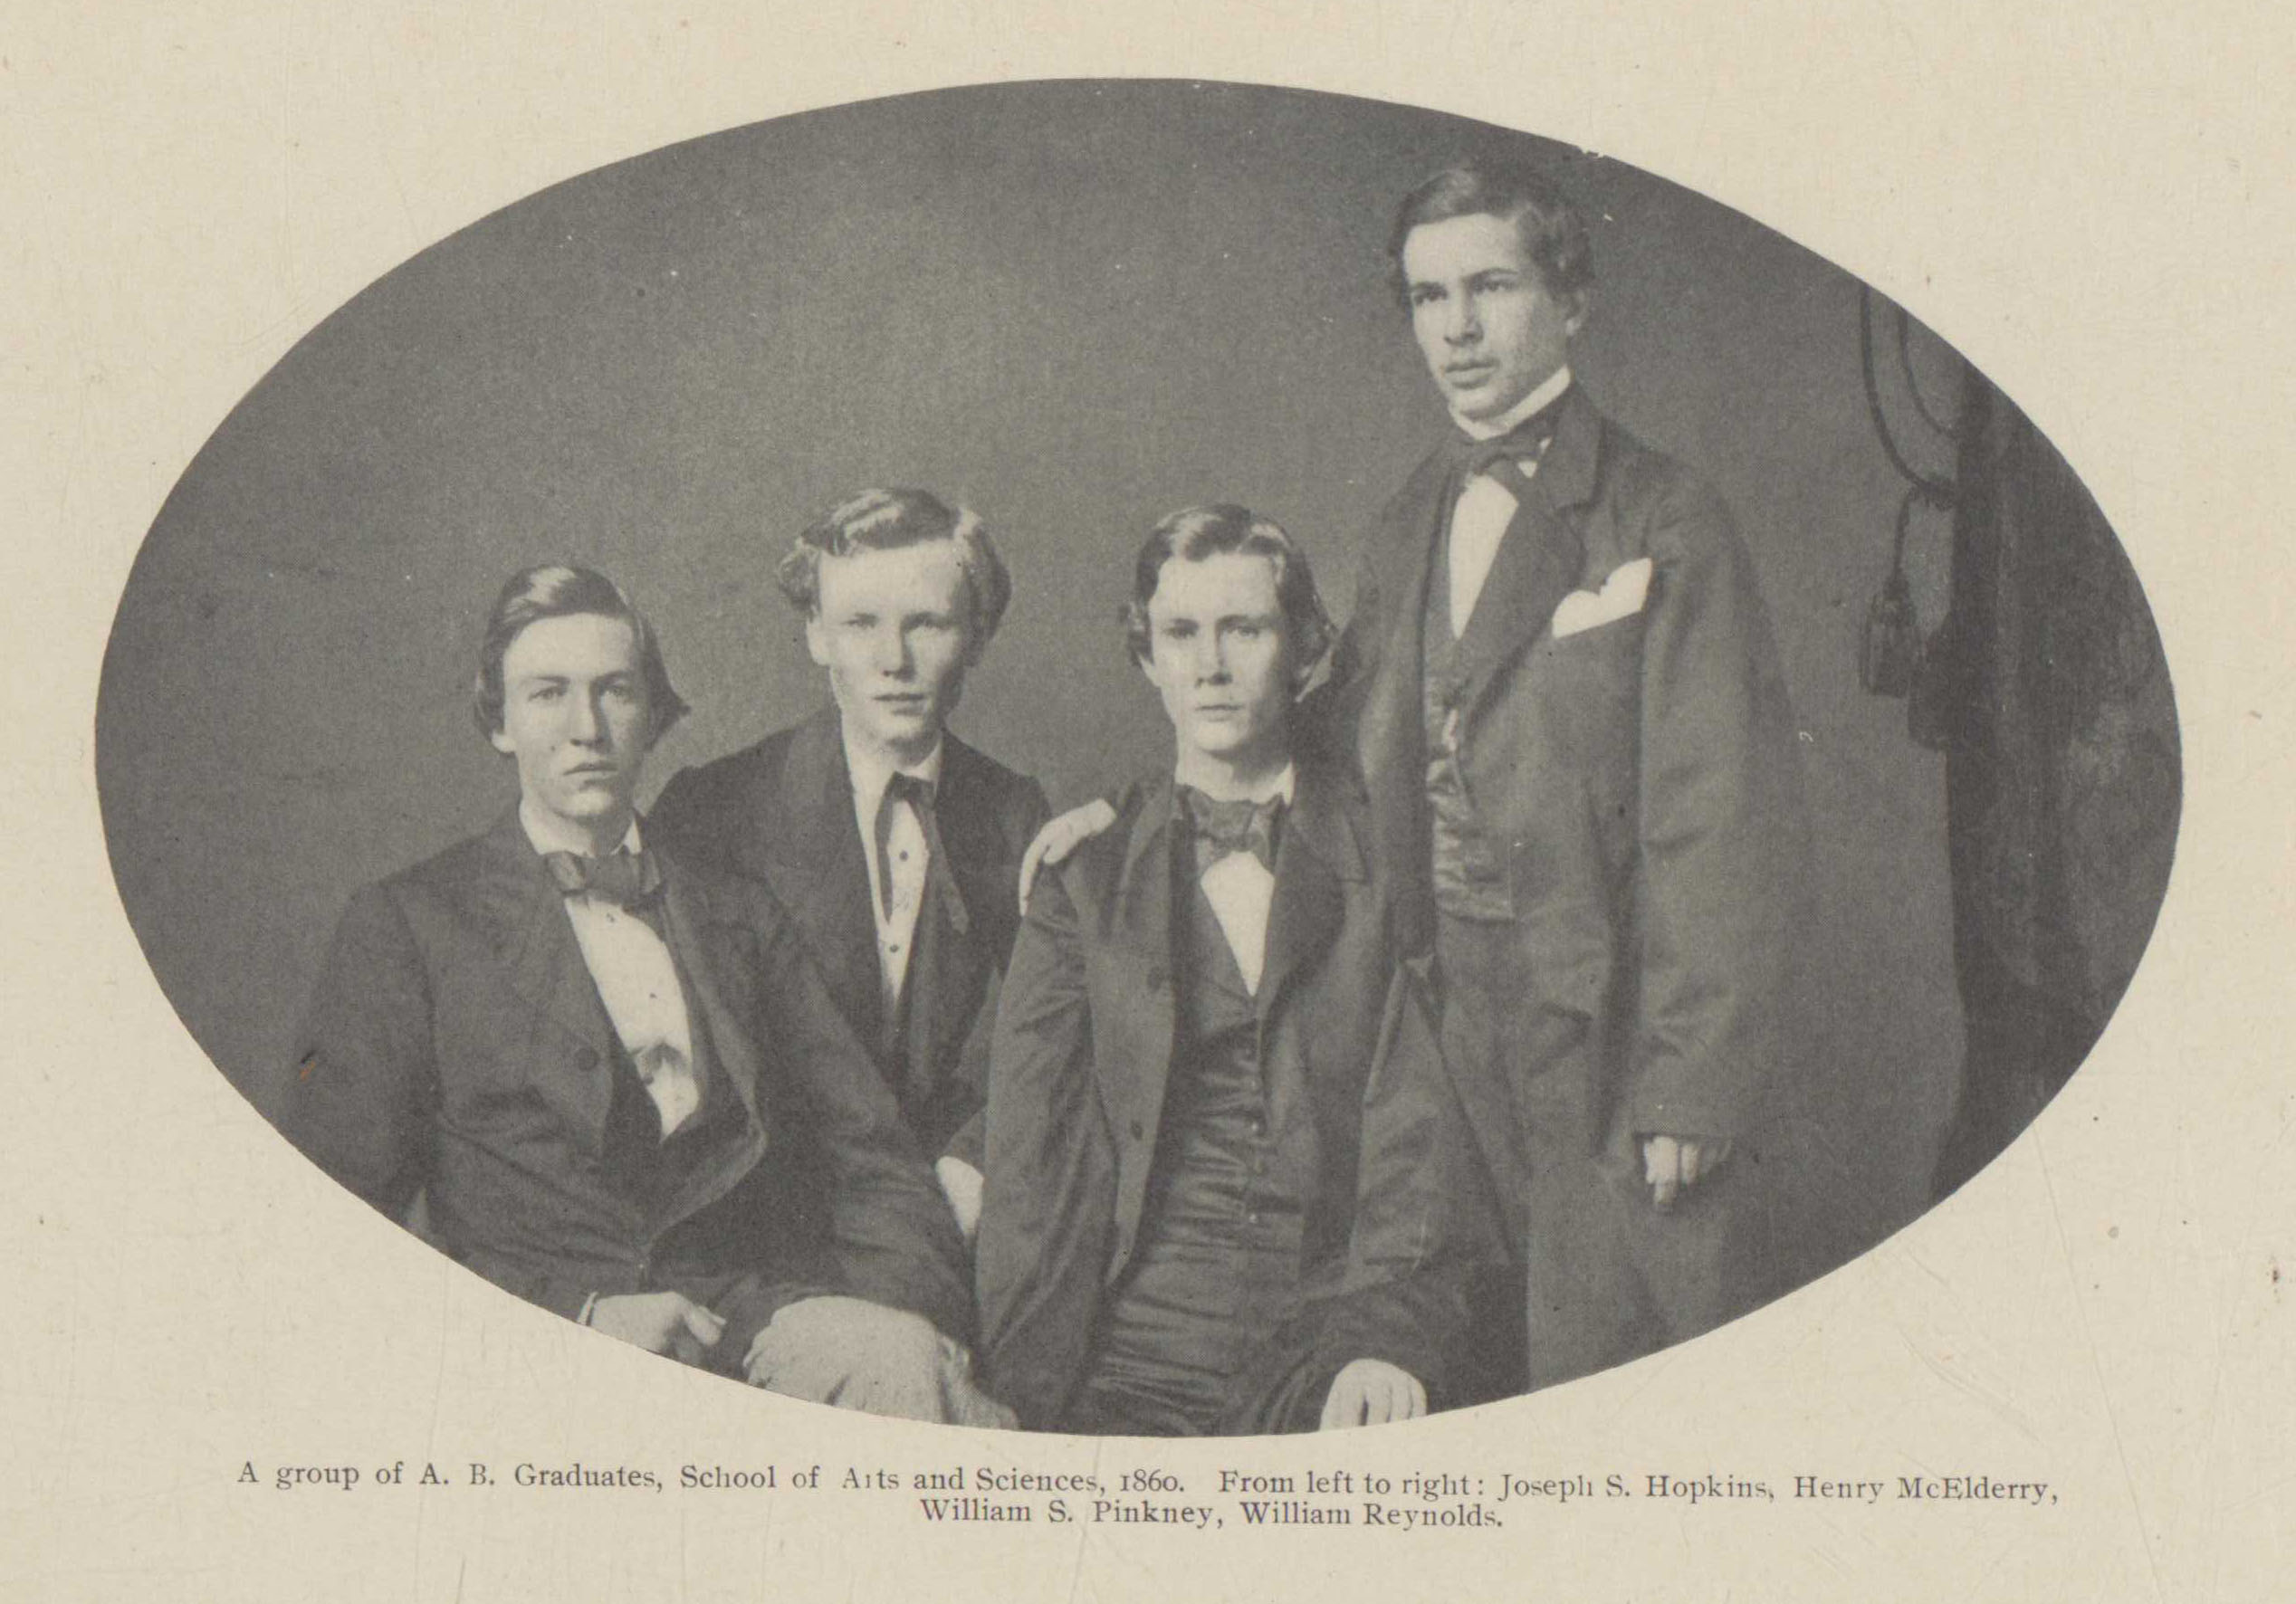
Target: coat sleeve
(362, 1092)
(561, 1294)
(1048, 1205)
(362, 1098)
(1333, 705)
(1426, 1223)
(889, 1235)
(1721, 835)
(969, 1144)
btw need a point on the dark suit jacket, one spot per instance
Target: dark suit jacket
(457, 1045)
(1083, 1050)
(1639, 778)
(781, 812)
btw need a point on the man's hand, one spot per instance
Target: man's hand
(961, 1184)
(1670, 1163)
(966, 1401)
(1058, 838)
(1373, 1392)
(853, 1355)
(660, 1322)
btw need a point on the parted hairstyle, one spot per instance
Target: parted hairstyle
(561, 590)
(1516, 189)
(885, 519)
(1194, 533)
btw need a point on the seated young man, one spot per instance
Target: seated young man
(1229, 1189)
(891, 843)
(620, 1088)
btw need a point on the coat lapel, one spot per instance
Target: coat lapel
(815, 861)
(1318, 850)
(526, 918)
(1389, 738)
(699, 944)
(965, 809)
(1135, 1064)
(1541, 557)
(949, 964)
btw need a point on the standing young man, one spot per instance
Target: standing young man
(619, 1089)
(1228, 1188)
(1561, 690)
(1560, 682)
(894, 844)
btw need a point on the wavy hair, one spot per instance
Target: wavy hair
(1194, 533)
(563, 590)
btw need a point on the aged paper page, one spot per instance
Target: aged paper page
(2091, 203)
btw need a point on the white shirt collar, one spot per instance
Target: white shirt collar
(871, 772)
(546, 834)
(1492, 428)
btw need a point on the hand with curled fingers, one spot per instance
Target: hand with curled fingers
(1671, 1163)
(962, 1184)
(660, 1322)
(854, 1354)
(1059, 837)
(1372, 1393)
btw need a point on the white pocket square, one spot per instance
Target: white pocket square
(1622, 597)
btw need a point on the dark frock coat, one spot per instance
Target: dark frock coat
(1400, 1219)
(456, 1047)
(781, 812)
(1638, 781)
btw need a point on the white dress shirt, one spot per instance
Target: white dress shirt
(899, 861)
(1242, 891)
(1486, 507)
(636, 976)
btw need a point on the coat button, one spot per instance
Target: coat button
(1157, 979)
(1139, 1131)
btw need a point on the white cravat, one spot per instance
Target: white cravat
(904, 862)
(1484, 507)
(1242, 891)
(636, 979)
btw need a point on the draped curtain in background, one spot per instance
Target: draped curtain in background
(2046, 689)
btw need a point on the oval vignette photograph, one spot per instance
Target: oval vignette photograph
(1137, 757)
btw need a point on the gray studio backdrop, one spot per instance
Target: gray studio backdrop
(1074, 306)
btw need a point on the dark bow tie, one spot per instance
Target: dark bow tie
(1502, 458)
(919, 793)
(624, 878)
(1225, 828)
